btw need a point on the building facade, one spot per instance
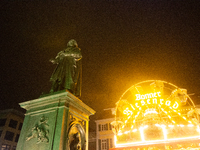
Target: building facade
(92, 140)
(10, 126)
(104, 134)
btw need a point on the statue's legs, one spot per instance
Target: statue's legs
(55, 86)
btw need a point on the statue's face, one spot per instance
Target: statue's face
(72, 43)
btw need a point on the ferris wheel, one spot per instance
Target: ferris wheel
(155, 110)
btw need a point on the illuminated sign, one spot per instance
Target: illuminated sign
(149, 115)
(128, 112)
(153, 99)
(147, 96)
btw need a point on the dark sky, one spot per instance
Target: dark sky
(122, 43)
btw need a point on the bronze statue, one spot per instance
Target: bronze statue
(67, 74)
(75, 143)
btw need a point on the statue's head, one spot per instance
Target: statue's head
(76, 135)
(73, 43)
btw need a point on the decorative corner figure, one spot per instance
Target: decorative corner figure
(40, 131)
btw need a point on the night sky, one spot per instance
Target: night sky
(122, 43)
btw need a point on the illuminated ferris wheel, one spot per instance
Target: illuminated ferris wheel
(154, 111)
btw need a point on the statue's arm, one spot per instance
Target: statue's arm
(53, 61)
(58, 57)
(78, 57)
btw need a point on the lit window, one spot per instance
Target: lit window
(5, 147)
(106, 126)
(104, 144)
(103, 127)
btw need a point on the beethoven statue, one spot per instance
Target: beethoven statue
(67, 74)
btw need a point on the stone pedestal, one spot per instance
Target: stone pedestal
(55, 122)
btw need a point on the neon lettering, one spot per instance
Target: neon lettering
(161, 101)
(168, 103)
(159, 94)
(137, 96)
(143, 102)
(154, 101)
(155, 94)
(142, 96)
(175, 105)
(127, 111)
(136, 104)
(150, 95)
(147, 96)
(148, 101)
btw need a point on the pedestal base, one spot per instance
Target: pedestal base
(55, 122)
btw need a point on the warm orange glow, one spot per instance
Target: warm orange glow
(153, 115)
(142, 133)
(150, 112)
(155, 141)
